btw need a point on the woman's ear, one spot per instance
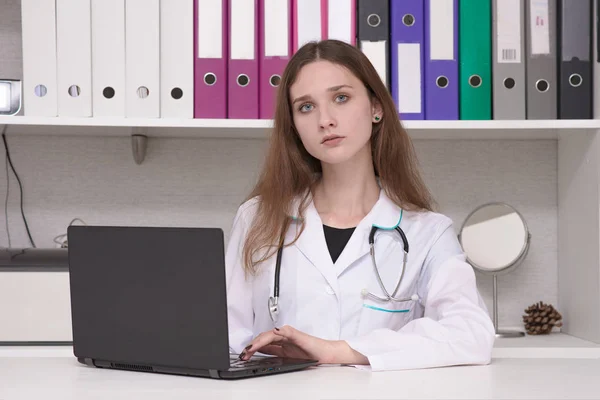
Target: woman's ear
(376, 111)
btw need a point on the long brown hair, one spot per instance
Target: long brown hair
(289, 171)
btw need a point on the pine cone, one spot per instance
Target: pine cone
(541, 318)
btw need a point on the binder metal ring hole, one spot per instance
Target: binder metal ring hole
(542, 85)
(408, 20)
(373, 20)
(275, 80)
(442, 82)
(177, 93)
(475, 81)
(509, 83)
(74, 91)
(210, 79)
(143, 92)
(108, 92)
(575, 80)
(41, 90)
(243, 80)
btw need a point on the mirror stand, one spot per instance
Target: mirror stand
(495, 239)
(503, 332)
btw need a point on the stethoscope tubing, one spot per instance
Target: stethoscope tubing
(273, 302)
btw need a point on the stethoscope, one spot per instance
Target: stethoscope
(274, 300)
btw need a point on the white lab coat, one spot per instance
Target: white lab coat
(448, 325)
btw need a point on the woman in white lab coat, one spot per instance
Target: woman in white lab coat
(339, 163)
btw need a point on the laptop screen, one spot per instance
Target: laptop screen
(149, 295)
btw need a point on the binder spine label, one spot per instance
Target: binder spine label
(508, 36)
(441, 32)
(409, 77)
(242, 30)
(210, 24)
(276, 26)
(539, 23)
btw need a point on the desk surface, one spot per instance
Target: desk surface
(64, 378)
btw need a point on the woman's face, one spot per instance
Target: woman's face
(332, 112)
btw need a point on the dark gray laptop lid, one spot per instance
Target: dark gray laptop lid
(149, 295)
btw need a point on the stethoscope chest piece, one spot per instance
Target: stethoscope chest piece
(273, 308)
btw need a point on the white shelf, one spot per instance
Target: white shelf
(151, 127)
(554, 345)
(259, 129)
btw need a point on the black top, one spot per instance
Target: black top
(336, 239)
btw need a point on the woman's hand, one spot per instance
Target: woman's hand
(292, 343)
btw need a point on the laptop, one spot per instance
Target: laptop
(153, 299)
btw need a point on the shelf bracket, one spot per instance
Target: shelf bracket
(139, 143)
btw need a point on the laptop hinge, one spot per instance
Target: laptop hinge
(213, 373)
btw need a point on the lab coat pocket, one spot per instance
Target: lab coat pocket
(391, 314)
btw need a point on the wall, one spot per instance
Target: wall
(201, 182)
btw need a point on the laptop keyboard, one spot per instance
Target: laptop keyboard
(253, 363)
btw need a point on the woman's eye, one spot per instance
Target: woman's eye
(305, 107)
(341, 98)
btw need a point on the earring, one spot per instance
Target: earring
(377, 118)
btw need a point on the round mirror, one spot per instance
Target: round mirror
(495, 239)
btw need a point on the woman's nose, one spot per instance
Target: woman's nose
(327, 119)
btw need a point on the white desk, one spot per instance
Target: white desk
(58, 377)
(555, 345)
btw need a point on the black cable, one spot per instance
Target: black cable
(6, 202)
(20, 186)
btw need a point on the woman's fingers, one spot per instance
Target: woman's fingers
(283, 342)
(290, 334)
(322, 350)
(284, 350)
(274, 350)
(259, 342)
